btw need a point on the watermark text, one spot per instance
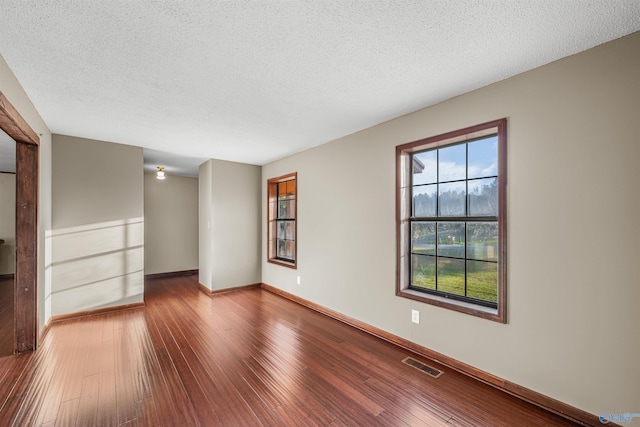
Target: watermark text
(606, 417)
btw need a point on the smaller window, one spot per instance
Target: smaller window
(282, 220)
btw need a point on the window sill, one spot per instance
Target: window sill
(451, 304)
(283, 263)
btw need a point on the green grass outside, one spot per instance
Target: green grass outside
(482, 282)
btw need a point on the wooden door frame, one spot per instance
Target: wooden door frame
(27, 186)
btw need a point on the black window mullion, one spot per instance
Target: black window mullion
(467, 210)
(457, 219)
(437, 254)
(437, 212)
(411, 221)
(465, 258)
(437, 191)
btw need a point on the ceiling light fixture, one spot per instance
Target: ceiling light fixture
(160, 173)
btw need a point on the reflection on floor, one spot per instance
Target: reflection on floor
(6, 315)
(246, 358)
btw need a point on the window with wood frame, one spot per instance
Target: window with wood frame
(451, 211)
(282, 220)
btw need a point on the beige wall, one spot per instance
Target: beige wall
(7, 222)
(205, 218)
(170, 224)
(98, 225)
(230, 209)
(573, 203)
(14, 92)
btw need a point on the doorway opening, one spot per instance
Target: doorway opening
(25, 315)
(7, 242)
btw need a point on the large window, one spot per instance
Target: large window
(452, 220)
(282, 223)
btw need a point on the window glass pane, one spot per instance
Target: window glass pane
(290, 250)
(423, 238)
(482, 280)
(281, 248)
(452, 199)
(282, 208)
(482, 240)
(452, 163)
(290, 230)
(483, 157)
(291, 188)
(425, 167)
(282, 190)
(291, 209)
(286, 230)
(423, 269)
(424, 200)
(451, 275)
(483, 197)
(451, 239)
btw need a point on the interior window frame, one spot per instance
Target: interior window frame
(404, 171)
(273, 219)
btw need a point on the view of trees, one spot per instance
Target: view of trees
(483, 199)
(456, 257)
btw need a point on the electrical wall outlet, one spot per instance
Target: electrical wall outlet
(298, 280)
(415, 316)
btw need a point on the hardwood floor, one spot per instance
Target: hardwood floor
(6, 315)
(246, 358)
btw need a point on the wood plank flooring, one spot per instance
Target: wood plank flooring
(247, 358)
(6, 315)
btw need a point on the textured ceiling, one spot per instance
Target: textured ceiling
(254, 81)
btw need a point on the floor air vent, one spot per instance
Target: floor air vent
(422, 367)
